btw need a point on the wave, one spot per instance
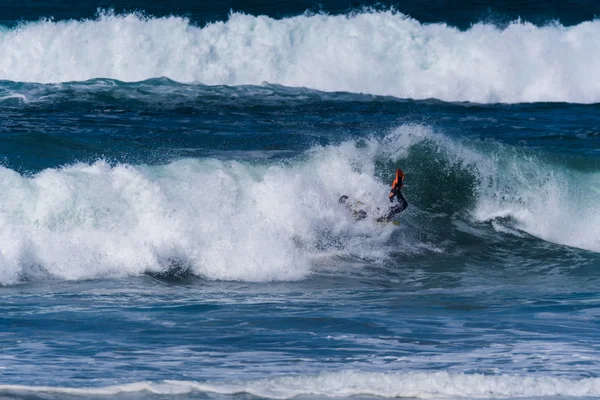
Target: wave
(424, 385)
(225, 220)
(375, 52)
(265, 220)
(554, 198)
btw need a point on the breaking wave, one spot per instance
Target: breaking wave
(267, 220)
(375, 52)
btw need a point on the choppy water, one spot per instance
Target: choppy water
(169, 177)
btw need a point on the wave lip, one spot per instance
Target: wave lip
(423, 385)
(375, 52)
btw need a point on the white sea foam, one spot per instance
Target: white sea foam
(222, 219)
(425, 385)
(383, 53)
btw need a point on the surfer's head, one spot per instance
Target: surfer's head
(398, 180)
(343, 199)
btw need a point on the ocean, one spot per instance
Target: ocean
(169, 184)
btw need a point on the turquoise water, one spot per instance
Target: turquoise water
(169, 224)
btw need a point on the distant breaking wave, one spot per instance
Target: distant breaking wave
(383, 53)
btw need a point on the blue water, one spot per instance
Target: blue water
(169, 177)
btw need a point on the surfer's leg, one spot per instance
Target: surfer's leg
(397, 209)
(403, 203)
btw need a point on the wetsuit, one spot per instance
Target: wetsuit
(395, 193)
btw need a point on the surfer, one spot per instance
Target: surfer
(395, 194)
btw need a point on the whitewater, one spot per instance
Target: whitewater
(374, 52)
(349, 383)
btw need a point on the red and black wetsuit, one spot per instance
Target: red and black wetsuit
(395, 193)
(397, 208)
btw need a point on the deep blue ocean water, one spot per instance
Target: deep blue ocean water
(169, 184)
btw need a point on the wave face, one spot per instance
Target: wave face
(534, 192)
(384, 53)
(271, 220)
